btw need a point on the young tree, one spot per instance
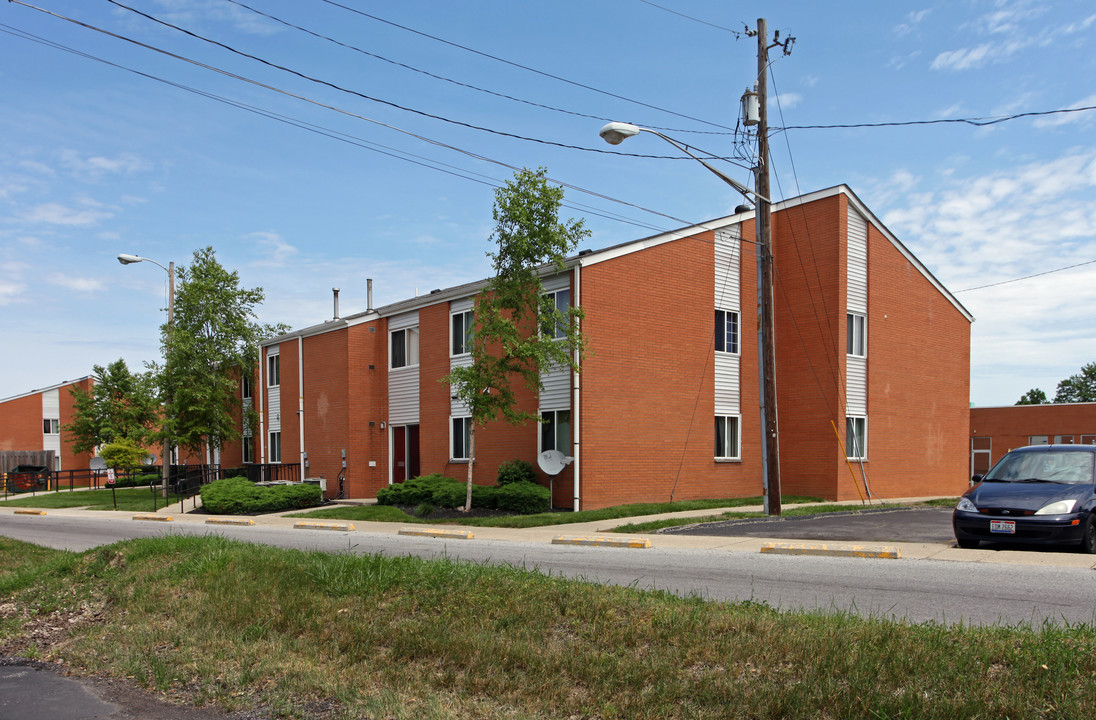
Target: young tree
(518, 330)
(1078, 388)
(121, 406)
(1034, 396)
(215, 337)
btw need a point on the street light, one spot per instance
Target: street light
(615, 133)
(127, 259)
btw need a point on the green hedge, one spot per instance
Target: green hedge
(519, 497)
(240, 496)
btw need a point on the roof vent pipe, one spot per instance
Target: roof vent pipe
(369, 294)
(335, 291)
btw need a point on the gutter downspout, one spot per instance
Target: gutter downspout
(262, 407)
(300, 402)
(576, 390)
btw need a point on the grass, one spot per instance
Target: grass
(383, 513)
(787, 512)
(129, 499)
(305, 635)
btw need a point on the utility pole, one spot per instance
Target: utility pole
(766, 346)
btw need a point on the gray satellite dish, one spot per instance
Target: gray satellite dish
(97, 463)
(552, 462)
(149, 459)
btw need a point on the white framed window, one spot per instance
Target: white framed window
(245, 387)
(856, 335)
(248, 443)
(727, 438)
(51, 426)
(726, 331)
(276, 447)
(1088, 439)
(273, 370)
(1063, 439)
(856, 438)
(1038, 440)
(555, 431)
(461, 326)
(561, 300)
(405, 347)
(460, 429)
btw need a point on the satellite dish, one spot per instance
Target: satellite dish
(552, 462)
(149, 459)
(97, 463)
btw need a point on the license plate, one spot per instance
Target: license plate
(1003, 526)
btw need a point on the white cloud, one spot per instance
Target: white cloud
(58, 214)
(95, 166)
(277, 250)
(78, 283)
(787, 101)
(1072, 118)
(912, 20)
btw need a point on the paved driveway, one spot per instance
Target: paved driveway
(920, 524)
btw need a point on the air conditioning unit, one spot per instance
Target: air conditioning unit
(322, 482)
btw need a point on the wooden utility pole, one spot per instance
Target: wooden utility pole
(770, 453)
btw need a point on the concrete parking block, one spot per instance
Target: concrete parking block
(438, 532)
(865, 551)
(602, 541)
(154, 518)
(314, 525)
(229, 521)
(24, 511)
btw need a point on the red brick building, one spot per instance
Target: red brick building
(996, 430)
(34, 421)
(873, 358)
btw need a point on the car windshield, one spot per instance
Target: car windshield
(1059, 467)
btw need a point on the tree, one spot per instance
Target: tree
(518, 330)
(1034, 396)
(1078, 388)
(123, 453)
(121, 406)
(213, 341)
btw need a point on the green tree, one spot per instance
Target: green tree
(518, 330)
(1078, 388)
(123, 453)
(1034, 396)
(214, 339)
(122, 405)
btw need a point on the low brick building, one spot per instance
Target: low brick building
(996, 430)
(872, 355)
(35, 421)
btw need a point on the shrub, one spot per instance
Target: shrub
(238, 496)
(414, 491)
(137, 480)
(524, 497)
(515, 471)
(122, 453)
(423, 510)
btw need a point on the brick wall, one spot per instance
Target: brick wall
(1012, 426)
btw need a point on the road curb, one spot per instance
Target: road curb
(866, 551)
(602, 541)
(23, 511)
(313, 525)
(438, 532)
(229, 521)
(154, 518)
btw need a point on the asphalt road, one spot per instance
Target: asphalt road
(883, 525)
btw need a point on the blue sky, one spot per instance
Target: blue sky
(390, 173)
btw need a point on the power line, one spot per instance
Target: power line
(977, 121)
(1027, 277)
(737, 33)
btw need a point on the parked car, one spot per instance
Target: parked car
(1043, 494)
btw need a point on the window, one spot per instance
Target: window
(405, 347)
(273, 370)
(462, 427)
(249, 448)
(1088, 439)
(463, 324)
(726, 331)
(561, 300)
(276, 447)
(51, 426)
(1063, 439)
(555, 431)
(854, 335)
(726, 437)
(1038, 440)
(856, 438)
(245, 387)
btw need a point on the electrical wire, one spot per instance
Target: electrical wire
(737, 33)
(977, 122)
(1027, 277)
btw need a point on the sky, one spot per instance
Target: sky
(365, 140)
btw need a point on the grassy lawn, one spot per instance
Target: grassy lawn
(383, 513)
(130, 499)
(289, 634)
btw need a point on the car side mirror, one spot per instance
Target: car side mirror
(975, 479)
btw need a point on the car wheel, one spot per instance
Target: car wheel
(1088, 540)
(967, 543)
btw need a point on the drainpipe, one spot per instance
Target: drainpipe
(576, 411)
(262, 406)
(300, 400)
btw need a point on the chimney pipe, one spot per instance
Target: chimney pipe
(336, 293)
(369, 294)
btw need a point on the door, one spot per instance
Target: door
(981, 455)
(405, 452)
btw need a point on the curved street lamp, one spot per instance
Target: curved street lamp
(127, 259)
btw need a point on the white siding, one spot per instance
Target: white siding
(857, 298)
(403, 383)
(728, 264)
(856, 385)
(51, 410)
(457, 408)
(555, 383)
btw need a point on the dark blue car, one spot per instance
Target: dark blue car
(1043, 494)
